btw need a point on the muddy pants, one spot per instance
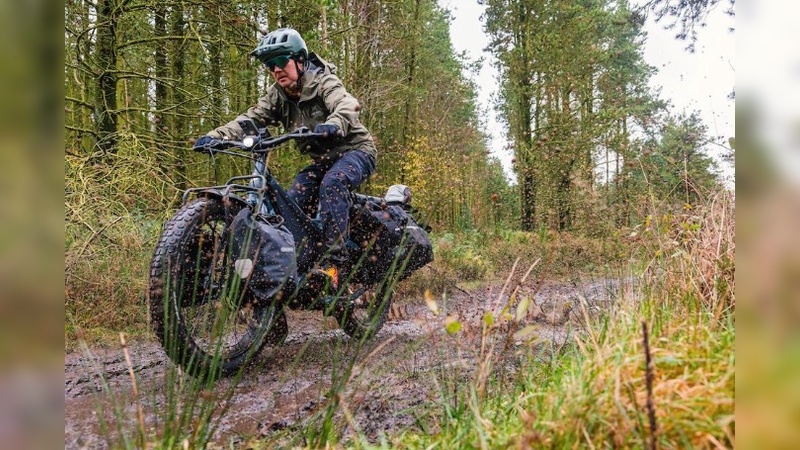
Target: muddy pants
(328, 184)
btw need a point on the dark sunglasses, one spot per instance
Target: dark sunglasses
(280, 61)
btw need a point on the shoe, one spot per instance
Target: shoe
(325, 276)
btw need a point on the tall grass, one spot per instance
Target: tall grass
(593, 392)
(690, 254)
(114, 212)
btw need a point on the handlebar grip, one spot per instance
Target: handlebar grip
(219, 144)
(216, 144)
(311, 134)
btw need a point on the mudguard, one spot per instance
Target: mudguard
(213, 192)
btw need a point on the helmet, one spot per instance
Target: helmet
(281, 42)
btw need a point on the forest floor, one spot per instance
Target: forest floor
(395, 384)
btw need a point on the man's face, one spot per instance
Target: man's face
(287, 76)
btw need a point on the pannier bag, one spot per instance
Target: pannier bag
(418, 250)
(377, 222)
(417, 246)
(391, 238)
(263, 254)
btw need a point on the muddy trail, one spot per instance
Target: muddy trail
(394, 384)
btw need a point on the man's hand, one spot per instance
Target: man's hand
(202, 143)
(328, 130)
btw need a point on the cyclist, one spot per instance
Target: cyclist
(308, 93)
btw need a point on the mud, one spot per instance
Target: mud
(394, 385)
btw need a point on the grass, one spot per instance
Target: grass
(113, 219)
(106, 273)
(592, 393)
(468, 259)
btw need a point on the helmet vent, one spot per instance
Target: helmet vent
(285, 38)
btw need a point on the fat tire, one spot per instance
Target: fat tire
(365, 328)
(175, 338)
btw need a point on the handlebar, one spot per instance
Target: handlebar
(262, 143)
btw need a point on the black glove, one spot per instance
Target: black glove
(202, 143)
(328, 129)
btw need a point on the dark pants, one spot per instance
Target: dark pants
(329, 183)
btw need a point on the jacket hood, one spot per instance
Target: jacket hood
(319, 68)
(325, 65)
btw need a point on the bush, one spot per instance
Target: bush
(114, 211)
(465, 258)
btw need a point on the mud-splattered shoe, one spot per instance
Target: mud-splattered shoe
(324, 279)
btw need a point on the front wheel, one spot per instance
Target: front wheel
(206, 319)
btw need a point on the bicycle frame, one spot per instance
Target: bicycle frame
(261, 192)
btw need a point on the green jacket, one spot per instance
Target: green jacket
(323, 100)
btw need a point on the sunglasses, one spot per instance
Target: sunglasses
(280, 61)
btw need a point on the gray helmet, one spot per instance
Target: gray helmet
(281, 42)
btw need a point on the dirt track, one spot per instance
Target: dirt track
(391, 389)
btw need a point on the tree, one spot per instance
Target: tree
(573, 83)
(673, 166)
(689, 14)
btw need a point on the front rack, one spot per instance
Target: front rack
(256, 193)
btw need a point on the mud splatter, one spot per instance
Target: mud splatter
(388, 390)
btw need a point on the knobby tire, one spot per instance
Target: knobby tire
(179, 274)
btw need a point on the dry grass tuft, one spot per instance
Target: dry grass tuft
(692, 252)
(114, 210)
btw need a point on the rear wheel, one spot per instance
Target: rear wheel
(205, 318)
(363, 309)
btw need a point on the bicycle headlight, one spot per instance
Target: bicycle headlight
(249, 141)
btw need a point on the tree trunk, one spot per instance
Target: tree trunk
(178, 97)
(523, 143)
(161, 73)
(106, 106)
(213, 15)
(528, 201)
(523, 133)
(411, 65)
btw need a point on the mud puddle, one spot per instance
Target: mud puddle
(390, 384)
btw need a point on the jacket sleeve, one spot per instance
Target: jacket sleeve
(264, 113)
(342, 105)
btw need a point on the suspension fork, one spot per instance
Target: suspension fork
(257, 182)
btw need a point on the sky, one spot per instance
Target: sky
(769, 77)
(699, 81)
